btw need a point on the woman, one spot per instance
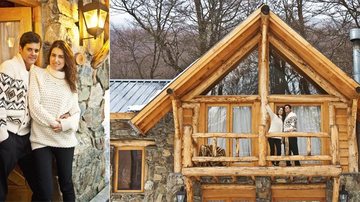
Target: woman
(276, 126)
(53, 103)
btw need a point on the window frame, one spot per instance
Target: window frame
(229, 127)
(116, 168)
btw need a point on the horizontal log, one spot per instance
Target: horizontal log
(224, 135)
(226, 186)
(303, 98)
(297, 186)
(299, 134)
(122, 116)
(190, 105)
(134, 143)
(224, 159)
(299, 158)
(323, 170)
(226, 98)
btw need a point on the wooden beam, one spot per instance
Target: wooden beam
(124, 143)
(323, 170)
(38, 28)
(187, 151)
(227, 186)
(225, 159)
(195, 125)
(353, 147)
(32, 3)
(302, 98)
(336, 187)
(177, 137)
(122, 116)
(189, 189)
(309, 71)
(300, 134)
(225, 99)
(224, 135)
(297, 186)
(263, 85)
(300, 158)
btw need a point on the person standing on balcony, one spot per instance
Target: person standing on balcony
(290, 126)
(276, 126)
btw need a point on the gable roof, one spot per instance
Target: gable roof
(228, 52)
(125, 93)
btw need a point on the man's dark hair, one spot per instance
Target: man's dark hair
(288, 106)
(29, 37)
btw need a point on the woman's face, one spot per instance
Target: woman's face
(281, 110)
(57, 59)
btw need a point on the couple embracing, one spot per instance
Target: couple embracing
(284, 121)
(39, 115)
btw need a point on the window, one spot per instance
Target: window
(231, 118)
(129, 169)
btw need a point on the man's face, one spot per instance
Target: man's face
(30, 53)
(287, 109)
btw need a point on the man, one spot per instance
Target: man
(290, 126)
(15, 146)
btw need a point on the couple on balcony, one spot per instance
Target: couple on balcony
(284, 121)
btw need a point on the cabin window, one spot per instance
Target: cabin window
(308, 120)
(230, 119)
(129, 169)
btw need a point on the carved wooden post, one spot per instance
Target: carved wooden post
(187, 151)
(263, 81)
(189, 189)
(353, 148)
(334, 136)
(177, 136)
(336, 184)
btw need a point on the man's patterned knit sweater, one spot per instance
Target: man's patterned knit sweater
(14, 113)
(49, 98)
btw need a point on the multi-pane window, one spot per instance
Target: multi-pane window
(231, 119)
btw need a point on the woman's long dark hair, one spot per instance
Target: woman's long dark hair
(70, 66)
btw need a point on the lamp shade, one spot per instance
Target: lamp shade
(95, 15)
(181, 195)
(343, 195)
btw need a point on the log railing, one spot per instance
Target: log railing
(191, 157)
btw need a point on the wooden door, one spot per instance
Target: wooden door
(228, 193)
(13, 22)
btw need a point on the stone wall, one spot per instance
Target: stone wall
(58, 19)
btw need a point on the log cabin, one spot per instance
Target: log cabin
(185, 117)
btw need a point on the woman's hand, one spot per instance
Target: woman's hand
(57, 128)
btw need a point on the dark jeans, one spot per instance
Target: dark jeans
(64, 159)
(293, 147)
(16, 150)
(275, 143)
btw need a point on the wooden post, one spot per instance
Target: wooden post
(195, 123)
(187, 151)
(336, 185)
(177, 137)
(189, 189)
(334, 136)
(308, 146)
(263, 82)
(353, 148)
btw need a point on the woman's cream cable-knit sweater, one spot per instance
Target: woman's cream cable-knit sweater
(49, 98)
